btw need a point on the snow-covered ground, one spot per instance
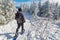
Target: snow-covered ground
(34, 30)
(7, 32)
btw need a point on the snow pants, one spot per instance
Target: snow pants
(20, 25)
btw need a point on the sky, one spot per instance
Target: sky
(17, 2)
(21, 0)
(24, 0)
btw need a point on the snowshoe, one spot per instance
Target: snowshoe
(15, 37)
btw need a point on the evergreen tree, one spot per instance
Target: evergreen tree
(8, 10)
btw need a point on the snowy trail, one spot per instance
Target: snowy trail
(7, 31)
(37, 30)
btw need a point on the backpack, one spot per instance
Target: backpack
(19, 17)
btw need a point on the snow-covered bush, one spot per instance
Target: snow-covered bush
(25, 7)
(7, 11)
(45, 9)
(43, 30)
(49, 10)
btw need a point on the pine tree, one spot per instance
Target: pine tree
(45, 9)
(40, 8)
(8, 10)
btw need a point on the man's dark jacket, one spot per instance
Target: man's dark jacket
(19, 17)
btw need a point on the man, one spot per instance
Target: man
(20, 21)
